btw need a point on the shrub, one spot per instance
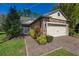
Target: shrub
(32, 33)
(71, 32)
(49, 38)
(42, 39)
(76, 34)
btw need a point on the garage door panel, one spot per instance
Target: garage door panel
(56, 30)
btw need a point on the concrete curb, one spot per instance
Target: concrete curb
(51, 51)
(74, 53)
(26, 48)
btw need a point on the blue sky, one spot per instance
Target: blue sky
(41, 8)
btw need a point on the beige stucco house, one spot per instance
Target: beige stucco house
(54, 23)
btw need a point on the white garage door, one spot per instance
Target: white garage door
(56, 30)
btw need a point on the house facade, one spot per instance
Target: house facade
(54, 23)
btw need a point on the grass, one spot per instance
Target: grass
(2, 37)
(13, 47)
(60, 52)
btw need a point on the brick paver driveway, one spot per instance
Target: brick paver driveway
(69, 43)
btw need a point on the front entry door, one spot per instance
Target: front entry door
(25, 30)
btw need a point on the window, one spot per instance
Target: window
(58, 14)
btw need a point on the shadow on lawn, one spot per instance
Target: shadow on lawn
(4, 40)
(7, 38)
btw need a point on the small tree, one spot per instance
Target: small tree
(11, 24)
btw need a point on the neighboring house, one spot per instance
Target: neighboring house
(54, 23)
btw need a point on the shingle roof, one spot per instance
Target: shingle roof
(28, 21)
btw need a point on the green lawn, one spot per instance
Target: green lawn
(14, 47)
(60, 52)
(2, 37)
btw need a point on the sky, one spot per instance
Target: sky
(41, 8)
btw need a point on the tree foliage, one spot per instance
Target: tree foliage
(2, 17)
(28, 13)
(35, 15)
(11, 24)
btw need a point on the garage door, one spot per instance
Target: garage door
(56, 30)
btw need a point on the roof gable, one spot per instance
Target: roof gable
(58, 14)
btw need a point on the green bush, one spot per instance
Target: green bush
(42, 39)
(76, 34)
(32, 33)
(71, 32)
(49, 38)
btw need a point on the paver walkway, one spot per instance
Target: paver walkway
(67, 42)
